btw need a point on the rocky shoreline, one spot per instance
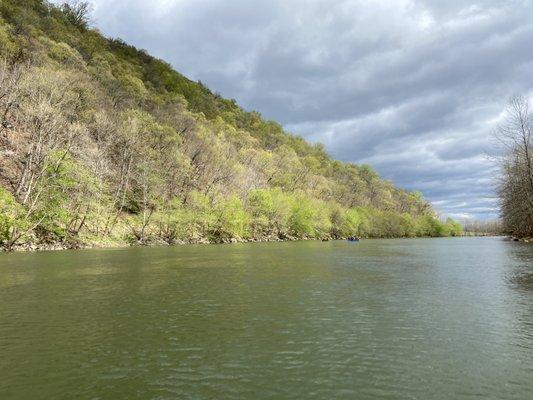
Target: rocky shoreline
(523, 240)
(78, 245)
(32, 247)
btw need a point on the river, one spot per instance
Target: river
(448, 318)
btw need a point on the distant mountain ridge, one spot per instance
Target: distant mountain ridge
(102, 144)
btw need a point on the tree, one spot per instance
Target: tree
(10, 76)
(78, 12)
(100, 141)
(515, 184)
(14, 223)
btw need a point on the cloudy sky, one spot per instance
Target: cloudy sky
(412, 87)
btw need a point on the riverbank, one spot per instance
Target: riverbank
(30, 247)
(482, 234)
(523, 240)
(116, 243)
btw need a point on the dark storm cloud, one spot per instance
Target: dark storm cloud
(412, 87)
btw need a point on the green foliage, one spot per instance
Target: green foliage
(452, 228)
(261, 207)
(430, 226)
(174, 222)
(62, 53)
(64, 191)
(302, 218)
(350, 225)
(202, 219)
(12, 218)
(76, 12)
(232, 220)
(113, 143)
(8, 47)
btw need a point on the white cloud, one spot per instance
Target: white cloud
(412, 86)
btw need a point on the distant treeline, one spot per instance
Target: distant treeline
(483, 227)
(101, 143)
(515, 184)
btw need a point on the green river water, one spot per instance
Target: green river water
(447, 318)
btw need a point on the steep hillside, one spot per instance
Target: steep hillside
(102, 144)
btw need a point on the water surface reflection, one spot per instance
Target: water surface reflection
(402, 319)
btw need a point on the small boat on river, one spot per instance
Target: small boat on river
(353, 239)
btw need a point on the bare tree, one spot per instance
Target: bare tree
(10, 76)
(515, 184)
(78, 12)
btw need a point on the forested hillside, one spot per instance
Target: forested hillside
(102, 144)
